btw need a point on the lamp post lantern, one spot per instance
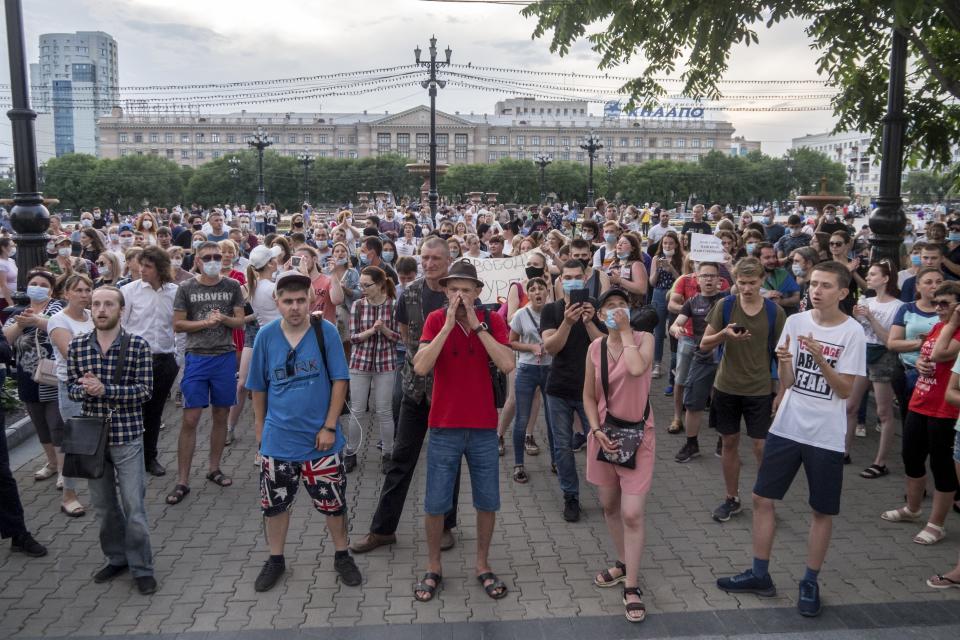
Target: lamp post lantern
(28, 216)
(432, 84)
(591, 144)
(542, 160)
(260, 141)
(234, 163)
(306, 160)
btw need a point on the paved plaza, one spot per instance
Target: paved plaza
(209, 549)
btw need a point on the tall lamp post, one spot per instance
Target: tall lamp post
(889, 220)
(591, 144)
(234, 163)
(306, 160)
(28, 216)
(432, 84)
(542, 161)
(260, 141)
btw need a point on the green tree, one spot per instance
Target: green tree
(132, 182)
(69, 178)
(808, 167)
(852, 38)
(924, 187)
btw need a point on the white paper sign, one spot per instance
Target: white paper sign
(497, 275)
(705, 247)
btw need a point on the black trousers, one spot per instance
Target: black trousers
(165, 371)
(411, 431)
(11, 509)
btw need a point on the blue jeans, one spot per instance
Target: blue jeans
(660, 304)
(118, 498)
(445, 449)
(561, 411)
(529, 377)
(260, 227)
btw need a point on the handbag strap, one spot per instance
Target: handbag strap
(605, 380)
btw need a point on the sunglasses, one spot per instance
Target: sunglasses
(211, 257)
(942, 304)
(837, 244)
(291, 364)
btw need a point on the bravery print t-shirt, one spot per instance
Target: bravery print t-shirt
(811, 412)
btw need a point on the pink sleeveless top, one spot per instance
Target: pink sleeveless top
(628, 394)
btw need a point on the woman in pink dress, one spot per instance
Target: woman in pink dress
(623, 491)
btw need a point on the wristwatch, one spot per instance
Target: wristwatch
(330, 429)
(481, 327)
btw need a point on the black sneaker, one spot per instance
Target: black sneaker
(730, 507)
(349, 462)
(25, 544)
(808, 604)
(347, 570)
(688, 452)
(269, 575)
(154, 468)
(579, 441)
(571, 509)
(146, 585)
(109, 572)
(747, 582)
(719, 452)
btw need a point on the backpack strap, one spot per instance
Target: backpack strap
(122, 363)
(771, 308)
(604, 374)
(317, 324)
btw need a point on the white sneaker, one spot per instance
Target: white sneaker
(861, 431)
(257, 462)
(656, 371)
(879, 427)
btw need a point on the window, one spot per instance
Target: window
(403, 144)
(521, 140)
(124, 152)
(460, 146)
(695, 143)
(492, 140)
(123, 136)
(383, 143)
(215, 138)
(341, 139)
(624, 157)
(521, 155)
(168, 138)
(443, 146)
(695, 157)
(638, 142)
(216, 154)
(624, 142)
(184, 138)
(710, 143)
(652, 143)
(351, 139)
(292, 139)
(551, 141)
(503, 140)
(199, 138)
(667, 143)
(184, 154)
(169, 154)
(608, 143)
(275, 139)
(200, 154)
(323, 154)
(504, 154)
(666, 156)
(423, 147)
(581, 156)
(154, 137)
(565, 155)
(322, 139)
(535, 141)
(491, 156)
(137, 138)
(638, 157)
(681, 143)
(307, 138)
(341, 153)
(565, 141)
(353, 154)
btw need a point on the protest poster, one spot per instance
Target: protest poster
(705, 247)
(497, 274)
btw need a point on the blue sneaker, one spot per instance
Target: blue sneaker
(746, 582)
(668, 391)
(809, 602)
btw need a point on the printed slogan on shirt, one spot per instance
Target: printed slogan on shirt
(808, 378)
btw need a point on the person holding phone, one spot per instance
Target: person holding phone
(568, 327)
(666, 267)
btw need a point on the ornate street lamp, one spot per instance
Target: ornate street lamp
(591, 144)
(260, 141)
(306, 160)
(432, 84)
(542, 160)
(234, 163)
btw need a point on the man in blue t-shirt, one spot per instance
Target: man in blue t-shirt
(299, 386)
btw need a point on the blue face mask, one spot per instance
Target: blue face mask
(915, 260)
(37, 293)
(751, 247)
(610, 237)
(767, 220)
(611, 320)
(573, 285)
(624, 256)
(364, 260)
(388, 256)
(955, 237)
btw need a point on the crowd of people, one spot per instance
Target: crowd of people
(368, 323)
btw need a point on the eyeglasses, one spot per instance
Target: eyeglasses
(210, 257)
(368, 285)
(837, 244)
(942, 304)
(707, 276)
(291, 363)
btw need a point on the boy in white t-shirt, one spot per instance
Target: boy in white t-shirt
(821, 353)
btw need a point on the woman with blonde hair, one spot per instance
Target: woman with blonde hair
(131, 259)
(146, 224)
(108, 266)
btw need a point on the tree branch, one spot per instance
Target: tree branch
(933, 64)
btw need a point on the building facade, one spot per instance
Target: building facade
(193, 139)
(740, 146)
(76, 82)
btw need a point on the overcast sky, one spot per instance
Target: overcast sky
(183, 41)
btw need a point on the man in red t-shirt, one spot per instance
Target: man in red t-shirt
(456, 345)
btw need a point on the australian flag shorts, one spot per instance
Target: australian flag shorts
(324, 479)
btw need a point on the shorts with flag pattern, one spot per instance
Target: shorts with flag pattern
(324, 479)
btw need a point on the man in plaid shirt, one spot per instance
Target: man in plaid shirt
(118, 496)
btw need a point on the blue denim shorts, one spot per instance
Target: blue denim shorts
(445, 449)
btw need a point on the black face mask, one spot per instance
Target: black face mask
(445, 236)
(298, 224)
(198, 227)
(585, 263)
(534, 272)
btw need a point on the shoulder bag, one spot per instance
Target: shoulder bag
(497, 378)
(85, 437)
(46, 371)
(628, 435)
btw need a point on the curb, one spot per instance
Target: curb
(19, 432)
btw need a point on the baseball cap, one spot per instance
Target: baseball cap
(261, 255)
(292, 276)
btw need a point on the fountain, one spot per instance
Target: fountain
(822, 199)
(423, 169)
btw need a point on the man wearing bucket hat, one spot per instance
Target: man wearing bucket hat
(457, 345)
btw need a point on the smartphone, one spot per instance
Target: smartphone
(739, 329)
(579, 295)
(295, 261)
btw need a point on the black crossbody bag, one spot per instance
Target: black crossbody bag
(85, 437)
(629, 435)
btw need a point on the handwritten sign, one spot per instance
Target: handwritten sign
(497, 275)
(706, 248)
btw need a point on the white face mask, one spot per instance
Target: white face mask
(147, 224)
(211, 268)
(64, 252)
(126, 241)
(105, 272)
(176, 263)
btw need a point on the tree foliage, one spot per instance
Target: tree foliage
(852, 38)
(925, 187)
